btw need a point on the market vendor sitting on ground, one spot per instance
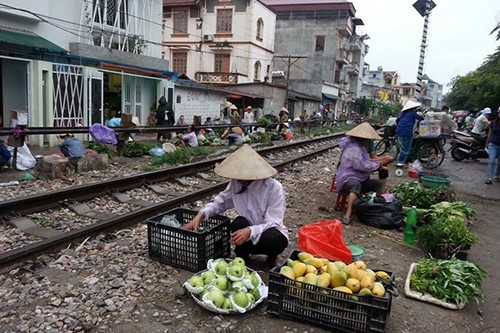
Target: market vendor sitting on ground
(234, 135)
(259, 201)
(355, 166)
(72, 148)
(189, 139)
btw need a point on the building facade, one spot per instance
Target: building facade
(318, 50)
(219, 41)
(71, 63)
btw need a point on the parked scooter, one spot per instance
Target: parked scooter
(466, 146)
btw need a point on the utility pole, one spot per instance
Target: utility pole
(289, 65)
(424, 8)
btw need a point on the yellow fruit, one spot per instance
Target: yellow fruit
(288, 272)
(351, 270)
(331, 268)
(299, 269)
(290, 262)
(343, 289)
(311, 278)
(338, 279)
(304, 255)
(340, 265)
(311, 269)
(298, 281)
(378, 289)
(367, 282)
(353, 284)
(322, 269)
(325, 261)
(361, 274)
(360, 264)
(371, 273)
(324, 280)
(383, 275)
(365, 292)
(316, 262)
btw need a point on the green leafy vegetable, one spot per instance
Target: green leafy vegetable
(450, 280)
(412, 194)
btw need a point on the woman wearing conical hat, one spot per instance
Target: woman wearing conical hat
(405, 127)
(355, 166)
(259, 201)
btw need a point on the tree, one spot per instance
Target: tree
(479, 88)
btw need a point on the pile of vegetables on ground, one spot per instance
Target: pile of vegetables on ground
(443, 228)
(453, 281)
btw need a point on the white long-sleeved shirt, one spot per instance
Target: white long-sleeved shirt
(262, 204)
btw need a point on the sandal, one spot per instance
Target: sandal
(346, 220)
(496, 179)
(487, 181)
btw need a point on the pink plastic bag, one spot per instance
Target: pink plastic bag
(324, 239)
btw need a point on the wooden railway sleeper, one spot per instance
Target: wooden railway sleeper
(27, 226)
(84, 210)
(126, 199)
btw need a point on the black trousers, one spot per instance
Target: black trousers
(271, 243)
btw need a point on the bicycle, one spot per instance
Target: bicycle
(428, 150)
(388, 142)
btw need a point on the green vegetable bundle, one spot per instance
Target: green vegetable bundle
(412, 194)
(453, 281)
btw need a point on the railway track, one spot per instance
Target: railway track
(53, 219)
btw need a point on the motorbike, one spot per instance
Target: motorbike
(466, 146)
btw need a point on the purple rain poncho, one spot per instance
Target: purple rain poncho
(355, 163)
(103, 134)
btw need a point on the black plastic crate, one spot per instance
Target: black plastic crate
(189, 250)
(325, 307)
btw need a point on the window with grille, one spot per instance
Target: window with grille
(180, 20)
(179, 62)
(111, 12)
(320, 44)
(260, 29)
(221, 63)
(224, 20)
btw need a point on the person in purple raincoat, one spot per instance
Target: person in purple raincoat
(355, 166)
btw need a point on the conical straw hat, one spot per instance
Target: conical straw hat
(411, 105)
(364, 131)
(245, 164)
(227, 104)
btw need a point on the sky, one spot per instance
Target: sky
(458, 38)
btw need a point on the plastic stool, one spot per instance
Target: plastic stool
(341, 201)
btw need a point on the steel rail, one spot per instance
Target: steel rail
(33, 250)
(42, 201)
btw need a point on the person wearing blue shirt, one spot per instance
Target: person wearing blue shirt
(71, 148)
(404, 130)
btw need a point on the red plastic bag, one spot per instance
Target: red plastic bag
(324, 239)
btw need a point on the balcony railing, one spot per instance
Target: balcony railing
(214, 77)
(352, 68)
(342, 56)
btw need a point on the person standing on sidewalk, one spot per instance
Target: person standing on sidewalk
(404, 130)
(493, 146)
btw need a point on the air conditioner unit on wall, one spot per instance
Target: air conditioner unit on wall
(208, 38)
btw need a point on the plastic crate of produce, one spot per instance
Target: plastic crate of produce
(325, 307)
(186, 249)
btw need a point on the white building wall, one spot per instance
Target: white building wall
(145, 18)
(195, 102)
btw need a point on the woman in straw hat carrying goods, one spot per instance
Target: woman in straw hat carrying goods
(405, 128)
(355, 166)
(259, 201)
